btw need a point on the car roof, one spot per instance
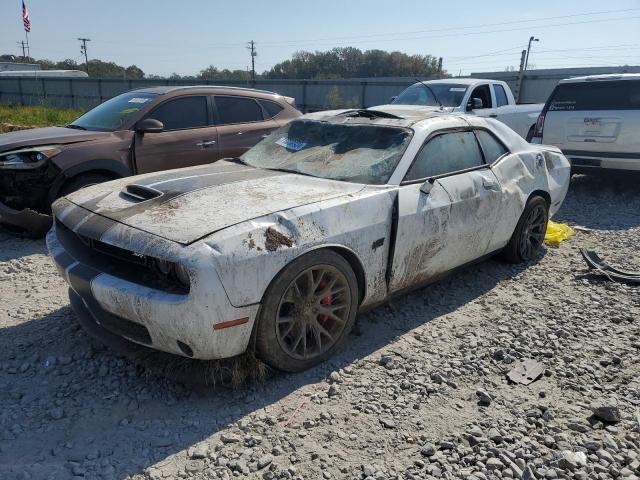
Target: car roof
(605, 77)
(408, 115)
(164, 89)
(460, 81)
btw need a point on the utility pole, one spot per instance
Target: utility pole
(526, 61)
(252, 49)
(83, 50)
(523, 56)
(24, 49)
(440, 66)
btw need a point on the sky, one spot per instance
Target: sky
(163, 37)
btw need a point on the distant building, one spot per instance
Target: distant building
(6, 66)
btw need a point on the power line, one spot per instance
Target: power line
(519, 21)
(464, 34)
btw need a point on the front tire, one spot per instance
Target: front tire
(307, 312)
(528, 236)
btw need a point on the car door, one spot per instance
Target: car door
(448, 220)
(189, 136)
(483, 92)
(242, 122)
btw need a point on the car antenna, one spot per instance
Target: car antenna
(435, 97)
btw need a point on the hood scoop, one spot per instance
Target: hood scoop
(140, 193)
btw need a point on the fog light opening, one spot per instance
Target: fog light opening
(186, 349)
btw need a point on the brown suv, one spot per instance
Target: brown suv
(140, 131)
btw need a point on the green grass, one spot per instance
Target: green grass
(37, 116)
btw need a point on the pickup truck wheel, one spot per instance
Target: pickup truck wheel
(82, 181)
(307, 312)
(528, 236)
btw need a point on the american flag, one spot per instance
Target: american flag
(25, 18)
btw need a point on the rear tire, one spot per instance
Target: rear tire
(82, 181)
(307, 312)
(528, 236)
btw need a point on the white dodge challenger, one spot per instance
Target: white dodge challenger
(279, 249)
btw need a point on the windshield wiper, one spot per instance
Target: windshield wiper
(75, 127)
(286, 170)
(235, 160)
(435, 97)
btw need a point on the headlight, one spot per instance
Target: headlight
(28, 157)
(174, 272)
(182, 274)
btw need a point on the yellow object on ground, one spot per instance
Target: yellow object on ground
(557, 233)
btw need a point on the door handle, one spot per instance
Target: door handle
(493, 115)
(205, 143)
(264, 135)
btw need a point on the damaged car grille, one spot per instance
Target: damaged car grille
(117, 261)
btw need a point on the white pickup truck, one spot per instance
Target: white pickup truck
(485, 98)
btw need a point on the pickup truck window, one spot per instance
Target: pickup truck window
(446, 153)
(483, 93)
(501, 96)
(450, 94)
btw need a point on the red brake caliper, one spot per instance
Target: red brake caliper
(328, 300)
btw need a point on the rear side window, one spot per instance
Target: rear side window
(271, 108)
(181, 113)
(597, 95)
(446, 153)
(501, 95)
(238, 110)
(491, 147)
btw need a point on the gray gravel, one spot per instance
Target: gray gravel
(420, 392)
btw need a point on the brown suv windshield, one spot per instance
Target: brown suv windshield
(111, 115)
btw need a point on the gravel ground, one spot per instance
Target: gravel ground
(419, 392)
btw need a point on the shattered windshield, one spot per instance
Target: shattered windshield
(111, 115)
(449, 94)
(337, 151)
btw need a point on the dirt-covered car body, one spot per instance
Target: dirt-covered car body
(232, 228)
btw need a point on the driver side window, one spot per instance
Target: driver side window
(484, 94)
(446, 153)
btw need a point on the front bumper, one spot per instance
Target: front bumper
(182, 324)
(26, 221)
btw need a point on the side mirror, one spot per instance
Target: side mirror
(392, 99)
(474, 104)
(149, 125)
(427, 186)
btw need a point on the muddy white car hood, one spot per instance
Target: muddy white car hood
(188, 204)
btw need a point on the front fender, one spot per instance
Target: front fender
(248, 256)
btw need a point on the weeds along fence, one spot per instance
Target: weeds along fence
(86, 93)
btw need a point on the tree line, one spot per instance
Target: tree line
(339, 62)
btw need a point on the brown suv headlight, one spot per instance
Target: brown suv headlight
(28, 158)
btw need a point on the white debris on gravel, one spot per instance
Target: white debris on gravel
(420, 391)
